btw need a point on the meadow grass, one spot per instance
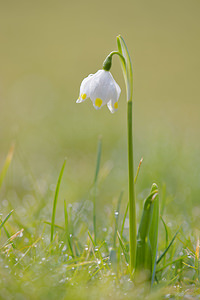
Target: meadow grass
(45, 258)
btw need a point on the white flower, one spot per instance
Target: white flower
(102, 89)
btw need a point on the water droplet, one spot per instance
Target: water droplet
(64, 248)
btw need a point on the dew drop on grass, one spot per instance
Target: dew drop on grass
(116, 214)
(64, 248)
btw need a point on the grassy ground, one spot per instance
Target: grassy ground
(47, 48)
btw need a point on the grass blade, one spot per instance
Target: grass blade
(55, 200)
(123, 248)
(6, 219)
(117, 218)
(126, 211)
(166, 250)
(6, 164)
(67, 229)
(95, 186)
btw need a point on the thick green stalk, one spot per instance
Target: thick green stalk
(128, 76)
(131, 189)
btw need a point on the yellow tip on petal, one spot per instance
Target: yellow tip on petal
(98, 102)
(116, 105)
(83, 96)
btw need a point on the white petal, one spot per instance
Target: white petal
(112, 106)
(102, 89)
(84, 89)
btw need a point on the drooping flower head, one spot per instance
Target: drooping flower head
(102, 89)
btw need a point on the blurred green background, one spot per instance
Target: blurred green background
(47, 48)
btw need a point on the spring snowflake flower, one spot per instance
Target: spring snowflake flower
(102, 89)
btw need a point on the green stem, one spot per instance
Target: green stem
(132, 202)
(108, 61)
(128, 76)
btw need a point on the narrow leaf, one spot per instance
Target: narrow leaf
(123, 247)
(6, 164)
(153, 232)
(144, 251)
(117, 218)
(95, 186)
(126, 68)
(55, 200)
(166, 250)
(6, 219)
(126, 211)
(67, 230)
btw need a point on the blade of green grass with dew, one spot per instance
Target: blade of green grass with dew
(124, 251)
(55, 200)
(117, 218)
(67, 229)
